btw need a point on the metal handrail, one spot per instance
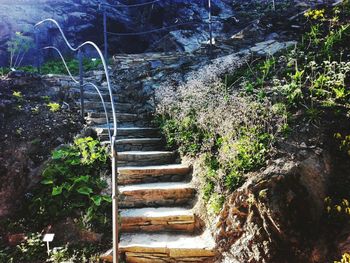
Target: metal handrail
(85, 85)
(64, 62)
(113, 137)
(104, 108)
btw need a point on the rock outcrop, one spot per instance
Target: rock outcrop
(81, 20)
(274, 215)
(78, 19)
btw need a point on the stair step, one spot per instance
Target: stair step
(98, 106)
(165, 248)
(99, 117)
(137, 158)
(120, 116)
(90, 93)
(139, 144)
(127, 132)
(158, 219)
(148, 174)
(156, 194)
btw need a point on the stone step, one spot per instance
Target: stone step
(98, 106)
(90, 93)
(139, 158)
(139, 144)
(127, 132)
(93, 118)
(156, 194)
(158, 219)
(165, 248)
(149, 174)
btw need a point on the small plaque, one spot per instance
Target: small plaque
(48, 237)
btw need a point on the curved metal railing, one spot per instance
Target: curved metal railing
(112, 136)
(63, 60)
(85, 85)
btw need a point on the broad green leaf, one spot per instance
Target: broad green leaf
(107, 198)
(57, 190)
(66, 186)
(83, 178)
(97, 199)
(85, 190)
(56, 155)
(47, 181)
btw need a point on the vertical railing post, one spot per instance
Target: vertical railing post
(115, 210)
(81, 83)
(105, 33)
(38, 51)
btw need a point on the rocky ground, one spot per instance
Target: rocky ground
(30, 130)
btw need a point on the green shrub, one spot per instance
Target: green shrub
(18, 46)
(215, 203)
(71, 183)
(182, 133)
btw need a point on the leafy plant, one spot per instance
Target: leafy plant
(32, 249)
(18, 95)
(183, 133)
(18, 46)
(265, 70)
(344, 142)
(215, 203)
(71, 182)
(57, 67)
(53, 106)
(334, 37)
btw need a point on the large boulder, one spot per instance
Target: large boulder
(273, 216)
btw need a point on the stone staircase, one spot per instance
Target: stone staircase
(158, 223)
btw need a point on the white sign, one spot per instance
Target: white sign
(48, 237)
